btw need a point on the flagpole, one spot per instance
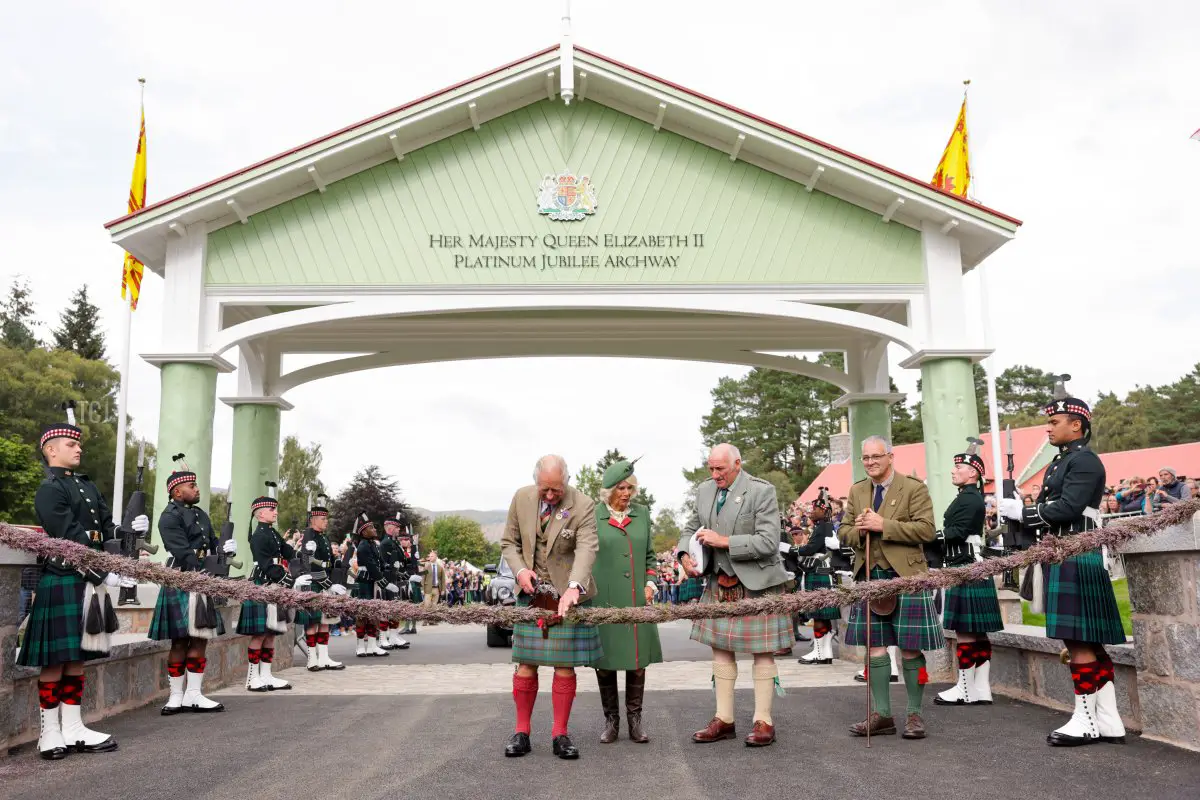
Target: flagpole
(123, 394)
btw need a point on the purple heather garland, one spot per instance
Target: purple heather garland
(1051, 549)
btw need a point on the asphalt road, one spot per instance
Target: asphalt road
(365, 747)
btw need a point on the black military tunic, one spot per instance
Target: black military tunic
(370, 569)
(320, 562)
(815, 574)
(1080, 603)
(68, 506)
(970, 607)
(270, 553)
(187, 534)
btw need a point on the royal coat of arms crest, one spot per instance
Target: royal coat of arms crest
(565, 197)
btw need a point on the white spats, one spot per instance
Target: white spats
(270, 681)
(1108, 719)
(1081, 728)
(373, 648)
(983, 683)
(196, 702)
(324, 661)
(314, 663)
(175, 700)
(821, 653)
(254, 681)
(961, 693)
(50, 742)
(80, 736)
(361, 650)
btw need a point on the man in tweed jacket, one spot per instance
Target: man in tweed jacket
(550, 540)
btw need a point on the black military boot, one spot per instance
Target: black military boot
(635, 688)
(611, 702)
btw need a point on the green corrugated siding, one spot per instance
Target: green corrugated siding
(374, 227)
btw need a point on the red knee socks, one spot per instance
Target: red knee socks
(322, 637)
(266, 656)
(197, 664)
(70, 690)
(310, 639)
(48, 694)
(983, 651)
(253, 655)
(524, 694)
(820, 628)
(562, 695)
(175, 669)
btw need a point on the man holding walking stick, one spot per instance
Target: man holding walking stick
(890, 516)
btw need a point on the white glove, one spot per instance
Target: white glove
(395, 565)
(229, 548)
(338, 589)
(833, 543)
(1012, 508)
(140, 524)
(391, 587)
(127, 583)
(112, 579)
(311, 546)
(302, 581)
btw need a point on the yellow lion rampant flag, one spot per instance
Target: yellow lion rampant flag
(131, 275)
(954, 170)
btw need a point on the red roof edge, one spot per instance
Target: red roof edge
(805, 137)
(328, 136)
(594, 54)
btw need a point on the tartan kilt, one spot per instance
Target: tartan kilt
(1080, 604)
(55, 628)
(171, 616)
(914, 625)
(364, 591)
(814, 581)
(305, 617)
(973, 608)
(253, 619)
(691, 589)
(570, 644)
(765, 633)
(415, 593)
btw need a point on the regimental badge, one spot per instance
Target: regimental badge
(565, 197)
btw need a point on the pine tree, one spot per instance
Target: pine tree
(17, 323)
(79, 328)
(371, 493)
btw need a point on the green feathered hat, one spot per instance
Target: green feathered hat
(617, 472)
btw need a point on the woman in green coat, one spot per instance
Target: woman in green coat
(626, 576)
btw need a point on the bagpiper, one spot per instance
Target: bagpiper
(369, 584)
(318, 552)
(1081, 608)
(972, 609)
(72, 616)
(391, 559)
(262, 621)
(817, 574)
(189, 620)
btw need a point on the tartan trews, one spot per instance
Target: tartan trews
(1080, 604)
(765, 633)
(973, 608)
(913, 625)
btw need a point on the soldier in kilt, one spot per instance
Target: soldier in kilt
(58, 636)
(550, 544)
(189, 621)
(410, 565)
(894, 513)
(972, 609)
(391, 559)
(817, 574)
(370, 584)
(262, 621)
(733, 538)
(1081, 608)
(319, 554)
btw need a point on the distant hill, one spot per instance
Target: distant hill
(492, 522)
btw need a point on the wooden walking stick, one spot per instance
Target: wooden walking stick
(867, 655)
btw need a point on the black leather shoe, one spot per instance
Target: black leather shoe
(518, 745)
(564, 747)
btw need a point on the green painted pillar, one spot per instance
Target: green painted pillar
(255, 461)
(868, 417)
(185, 425)
(948, 415)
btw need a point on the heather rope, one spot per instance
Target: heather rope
(1050, 550)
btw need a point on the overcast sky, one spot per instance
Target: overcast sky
(1080, 117)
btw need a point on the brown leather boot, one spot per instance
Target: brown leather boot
(635, 689)
(880, 726)
(914, 727)
(610, 701)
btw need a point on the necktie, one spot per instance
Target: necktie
(878, 501)
(435, 574)
(721, 495)
(544, 516)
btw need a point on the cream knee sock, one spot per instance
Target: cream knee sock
(764, 691)
(724, 678)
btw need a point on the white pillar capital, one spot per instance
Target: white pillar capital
(922, 356)
(851, 398)
(273, 402)
(203, 359)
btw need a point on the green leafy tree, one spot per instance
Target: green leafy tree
(590, 480)
(370, 492)
(79, 328)
(18, 325)
(1021, 394)
(666, 531)
(456, 538)
(299, 476)
(906, 422)
(20, 475)
(1175, 412)
(218, 510)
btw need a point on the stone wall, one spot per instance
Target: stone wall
(133, 675)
